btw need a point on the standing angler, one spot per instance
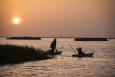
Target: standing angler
(53, 46)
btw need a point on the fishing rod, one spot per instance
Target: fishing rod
(72, 48)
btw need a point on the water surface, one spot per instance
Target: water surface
(101, 65)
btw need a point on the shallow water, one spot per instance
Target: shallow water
(101, 65)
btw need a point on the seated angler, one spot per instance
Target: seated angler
(80, 51)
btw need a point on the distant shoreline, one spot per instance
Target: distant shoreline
(39, 38)
(24, 38)
(91, 39)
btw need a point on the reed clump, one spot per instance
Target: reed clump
(11, 54)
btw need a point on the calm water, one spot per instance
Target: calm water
(101, 65)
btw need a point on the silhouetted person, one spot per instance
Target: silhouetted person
(80, 51)
(53, 45)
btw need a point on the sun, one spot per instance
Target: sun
(16, 20)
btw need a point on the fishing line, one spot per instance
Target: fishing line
(72, 48)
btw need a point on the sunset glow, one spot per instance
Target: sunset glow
(16, 20)
(68, 18)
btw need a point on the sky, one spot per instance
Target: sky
(58, 18)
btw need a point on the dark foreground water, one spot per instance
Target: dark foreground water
(101, 65)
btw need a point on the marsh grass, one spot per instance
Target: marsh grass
(11, 54)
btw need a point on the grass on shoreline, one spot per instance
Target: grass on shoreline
(11, 54)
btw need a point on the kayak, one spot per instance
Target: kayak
(85, 55)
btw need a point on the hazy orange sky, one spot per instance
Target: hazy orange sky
(67, 18)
